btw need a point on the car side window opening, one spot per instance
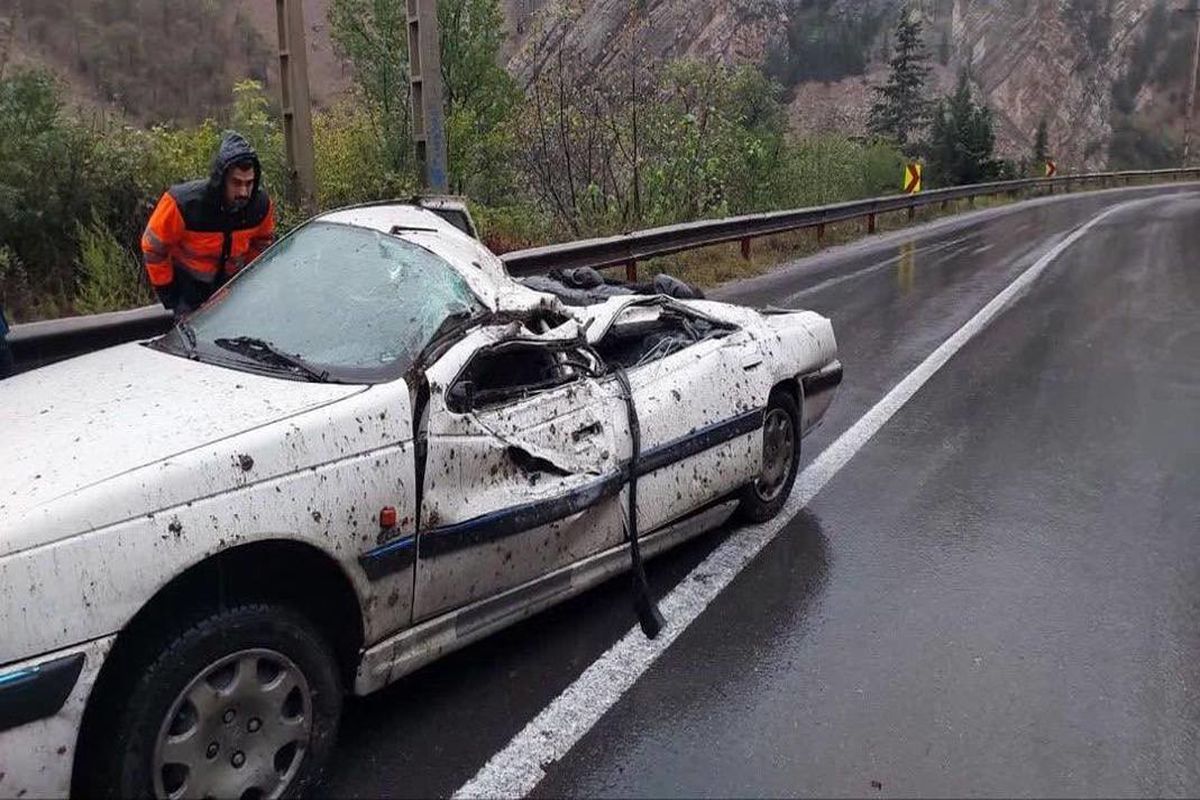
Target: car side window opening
(644, 334)
(512, 372)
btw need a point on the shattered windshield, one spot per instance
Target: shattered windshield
(334, 300)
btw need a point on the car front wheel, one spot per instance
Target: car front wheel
(764, 498)
(243, 703)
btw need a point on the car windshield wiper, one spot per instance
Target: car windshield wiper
(188, 335)
(265, 352)
(454, 322)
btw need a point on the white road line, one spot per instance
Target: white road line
(519, 767)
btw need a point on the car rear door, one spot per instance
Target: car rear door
(522, 470)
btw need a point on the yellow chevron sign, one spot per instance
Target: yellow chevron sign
(912, 178)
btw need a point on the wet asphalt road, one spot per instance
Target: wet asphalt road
(999, 595)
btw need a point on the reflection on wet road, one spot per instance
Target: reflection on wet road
(998, 595)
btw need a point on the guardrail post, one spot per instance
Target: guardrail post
(746, 249)
(870, 223)
(945, 204)
(912, 213)
(820, 234)
(631, 270)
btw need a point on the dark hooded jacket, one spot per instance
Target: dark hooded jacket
(194, 243)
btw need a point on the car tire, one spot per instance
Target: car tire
(765, 497)
(243, 702)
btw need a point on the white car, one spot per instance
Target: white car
(369, 449)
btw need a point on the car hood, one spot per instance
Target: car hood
(78, 423)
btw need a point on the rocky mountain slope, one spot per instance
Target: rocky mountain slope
(1057, 59)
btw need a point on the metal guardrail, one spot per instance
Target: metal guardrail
(38, 343)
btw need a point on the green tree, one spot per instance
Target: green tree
(55, 173)
(1041, 144)
(901, 110)
(373, 35)
(962, 142)
(480, 97)
(111, 277)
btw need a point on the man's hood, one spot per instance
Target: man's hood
(71, 427)
(234, 148)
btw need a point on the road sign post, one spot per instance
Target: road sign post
(425, 72)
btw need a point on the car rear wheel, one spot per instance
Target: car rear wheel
(244, 703)
(764, 498)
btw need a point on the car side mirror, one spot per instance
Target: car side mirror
(461, 396)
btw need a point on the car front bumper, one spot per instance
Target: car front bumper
(41, 707)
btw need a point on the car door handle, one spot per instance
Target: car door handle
(751, 360)
(587, 430)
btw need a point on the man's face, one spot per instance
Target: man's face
(239, 183)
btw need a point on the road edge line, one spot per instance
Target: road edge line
(516, 769)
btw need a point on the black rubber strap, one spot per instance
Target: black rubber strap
(649, 616)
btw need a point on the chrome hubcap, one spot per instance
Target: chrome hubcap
(239, 729)
(779, 449)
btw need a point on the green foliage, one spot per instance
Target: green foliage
(480, 96)
(713, 142)
(830, 169)
(373, 35)
(689, 141)
(353, 162)
(111, 276)
(481, 99)
(253, 118)
(823, 43)
(55, 171)
(900, 111)
(962, 143)
(580, 154)
(1041, 144)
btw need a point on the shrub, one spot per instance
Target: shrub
(110, 274)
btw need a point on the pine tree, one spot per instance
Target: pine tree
(962, 140)
(900, 110)
(1041, 145)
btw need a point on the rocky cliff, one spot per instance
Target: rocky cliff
(1057, 59)
(1030, 59)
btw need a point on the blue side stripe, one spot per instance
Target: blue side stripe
(396, 556)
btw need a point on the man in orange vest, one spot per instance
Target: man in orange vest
(202, 232)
